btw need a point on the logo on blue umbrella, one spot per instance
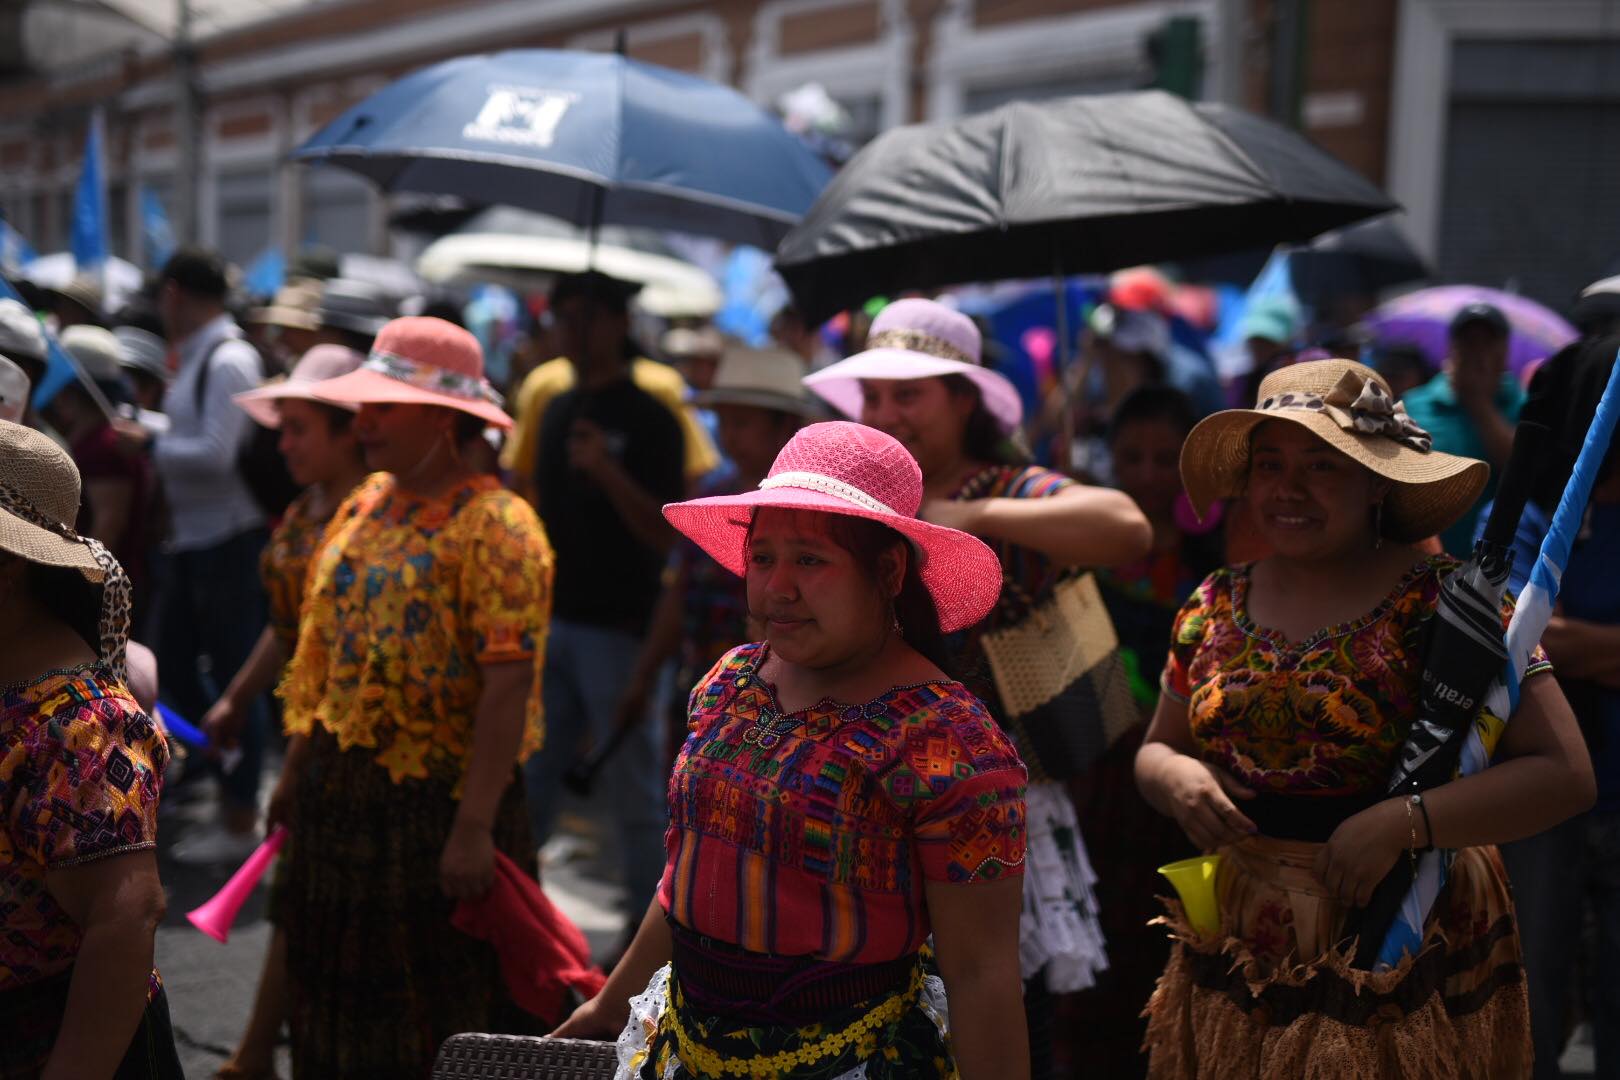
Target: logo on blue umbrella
(520, 115)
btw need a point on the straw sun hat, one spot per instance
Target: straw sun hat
(39, 501)
(1348, 406)
(857, 471)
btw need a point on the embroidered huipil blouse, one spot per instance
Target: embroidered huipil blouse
(812, 833)
(407, 598)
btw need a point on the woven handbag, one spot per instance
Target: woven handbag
(1064, 687)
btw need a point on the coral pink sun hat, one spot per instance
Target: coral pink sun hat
(420, 360)
(919, 339)
(319, 364)
(857, 471)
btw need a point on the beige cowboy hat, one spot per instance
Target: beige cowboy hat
(1348, 406)
(39, 501)
(770, 378)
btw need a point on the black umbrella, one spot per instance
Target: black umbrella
(1463, 653)
(1072, 185)
(1361, 260)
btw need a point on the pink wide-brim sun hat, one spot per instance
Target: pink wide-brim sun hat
(840, 384)
(919, 339)
(857, 471)
(420, 360)
(319, 364)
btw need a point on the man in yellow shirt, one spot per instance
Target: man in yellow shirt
(556, 377)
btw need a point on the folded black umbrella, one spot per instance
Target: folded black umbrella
(1072, 185)
(1463, 653)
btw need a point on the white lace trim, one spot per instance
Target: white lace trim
(828, 485)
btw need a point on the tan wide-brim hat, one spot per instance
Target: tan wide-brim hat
(40, 483)
(770, 378)
(1348, 406)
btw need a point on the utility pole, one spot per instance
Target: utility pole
(1289, 45)
(188, 155)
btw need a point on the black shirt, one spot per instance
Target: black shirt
(605, 575)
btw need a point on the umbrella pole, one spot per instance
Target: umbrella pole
(1063, 452)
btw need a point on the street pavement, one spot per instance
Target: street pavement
(211, 985)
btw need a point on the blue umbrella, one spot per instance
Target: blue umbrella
(588, 137)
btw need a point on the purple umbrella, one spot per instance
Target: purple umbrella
(1422, 318)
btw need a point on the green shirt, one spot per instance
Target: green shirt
(1433, 407)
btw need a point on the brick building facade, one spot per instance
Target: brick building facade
(1480, 116)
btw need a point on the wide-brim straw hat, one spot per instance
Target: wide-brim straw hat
(1348, 406)
(317, 365)
(764, 378)
(293, 306)
(856, 471)
(919, 339)
(420, 360)
(39, 501)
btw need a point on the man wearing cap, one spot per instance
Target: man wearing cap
(213, 605)
(610, 457)
(1470, 407)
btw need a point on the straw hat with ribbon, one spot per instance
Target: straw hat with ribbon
(1348, 406)
(39, 498)
(919, 339)
(856, 471)
(319, 364)
(420, 360)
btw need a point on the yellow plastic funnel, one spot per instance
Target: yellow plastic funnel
(1194, 880)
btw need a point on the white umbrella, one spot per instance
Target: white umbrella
(670, 288)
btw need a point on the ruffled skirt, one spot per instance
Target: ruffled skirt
(903, 1034)
(1058, 933)
(1245, 1005)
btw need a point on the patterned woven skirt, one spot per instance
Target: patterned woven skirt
(378, 977)
(1245, 1005)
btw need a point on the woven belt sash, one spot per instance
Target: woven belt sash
(720, 979)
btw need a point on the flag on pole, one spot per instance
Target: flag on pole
(90, 201)
(60, 368)
(15, 251)
(1530, 616)
(157, 234)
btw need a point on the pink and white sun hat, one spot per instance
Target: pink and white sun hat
(317, 365)
(919, 339)
(420, 360)
(850, 469)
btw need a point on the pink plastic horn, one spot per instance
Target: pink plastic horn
(215, 917)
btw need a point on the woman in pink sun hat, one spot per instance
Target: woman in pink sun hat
(838, 799)
(920, 380)
(412, 696)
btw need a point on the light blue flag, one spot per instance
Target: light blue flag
(266, 273)
(157, 234)
(90, 202)
(59, 367)
(15, 250)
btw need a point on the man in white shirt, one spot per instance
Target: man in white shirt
(212, 605)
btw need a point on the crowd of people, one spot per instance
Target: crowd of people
(895, 696)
